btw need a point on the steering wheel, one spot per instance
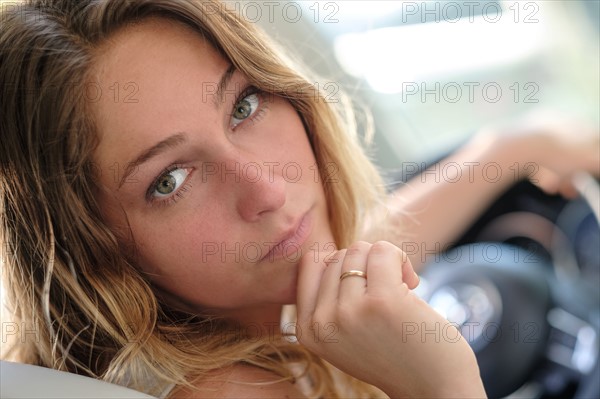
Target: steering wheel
(535, 331)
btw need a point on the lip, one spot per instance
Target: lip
(291, 240)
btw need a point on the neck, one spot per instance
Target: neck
(257, 321)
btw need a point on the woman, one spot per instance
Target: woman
(166, 189)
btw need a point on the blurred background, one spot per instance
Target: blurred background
(433, 72)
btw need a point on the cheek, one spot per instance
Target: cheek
(294, 141)
(195, 268)
(173, 245)
(177, 257)
(115, 216)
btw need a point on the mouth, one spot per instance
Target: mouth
(290, 243)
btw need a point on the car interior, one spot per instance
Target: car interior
(523, 281)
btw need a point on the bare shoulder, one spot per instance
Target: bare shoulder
(240, 382)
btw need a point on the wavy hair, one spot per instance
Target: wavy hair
(65, 273)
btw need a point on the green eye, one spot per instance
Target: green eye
(245, 108)
(168, 183)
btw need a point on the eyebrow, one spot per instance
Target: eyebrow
(177, 138)
(223, 82)
(168, 143)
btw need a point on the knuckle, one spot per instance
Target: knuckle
(382, 247)
(358, 247)
(340, 255)
(335, 257)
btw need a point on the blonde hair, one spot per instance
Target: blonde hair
(64, 270)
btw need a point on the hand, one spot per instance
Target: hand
(559, 147)
(385, 334)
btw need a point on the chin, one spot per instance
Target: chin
(288, 295)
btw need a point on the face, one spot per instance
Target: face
(213, 179)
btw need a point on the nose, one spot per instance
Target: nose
(260, 188)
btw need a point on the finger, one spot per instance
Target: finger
(567, 189)
(592, 161)
(328, 291)
(546, 180)
(355, 259)
(409, 276)
(388, 268)
(310, 272)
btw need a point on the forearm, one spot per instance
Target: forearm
(434, 208)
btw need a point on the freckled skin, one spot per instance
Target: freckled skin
(202, 248)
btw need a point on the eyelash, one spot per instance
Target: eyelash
(174, 197)
(262, 106)
(253, 118)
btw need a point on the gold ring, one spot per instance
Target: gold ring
(357, 273)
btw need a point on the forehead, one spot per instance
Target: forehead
(154, 55)
(151, 77)
(152, 36)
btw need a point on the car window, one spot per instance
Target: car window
(433, 72)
